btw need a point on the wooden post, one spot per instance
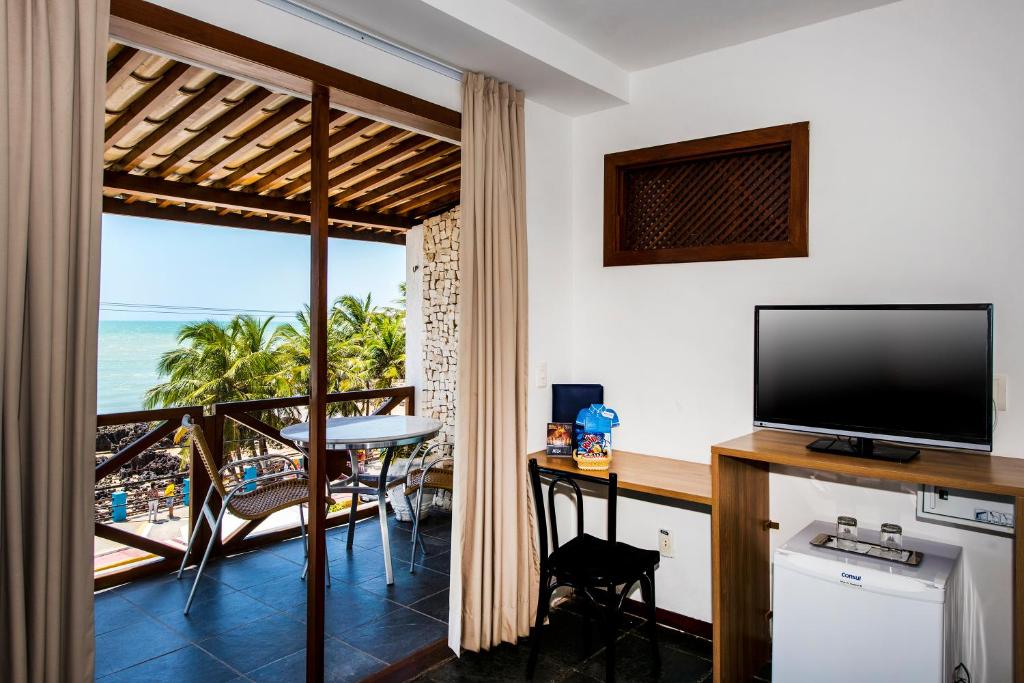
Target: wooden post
(318, 384)
(740, 567)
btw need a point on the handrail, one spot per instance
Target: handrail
(231, 407)
(162, 423)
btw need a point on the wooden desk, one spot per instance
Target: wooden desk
(740, 555)
(665, 477)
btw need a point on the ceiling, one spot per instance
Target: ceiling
(574, 56)
(185, 143)
(639, 34)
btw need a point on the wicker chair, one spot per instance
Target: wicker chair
(248, 499)
(435, 471)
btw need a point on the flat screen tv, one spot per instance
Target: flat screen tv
(918, 374)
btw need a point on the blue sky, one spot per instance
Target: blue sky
(150, 262)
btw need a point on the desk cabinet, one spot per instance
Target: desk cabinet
(740, 554)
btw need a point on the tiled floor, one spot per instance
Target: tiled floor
(247, 622)
(564, 657)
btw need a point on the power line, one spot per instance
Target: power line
(180, 307)
(206, 314)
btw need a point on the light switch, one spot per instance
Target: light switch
(542, 375)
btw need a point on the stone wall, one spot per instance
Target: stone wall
(440, 282)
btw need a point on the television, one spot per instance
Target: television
(918, 374)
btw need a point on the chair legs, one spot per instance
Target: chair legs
(206, 556)
(611, 631)
(647, 591)
(352, 520)
(305, 548)
(543, 606)
(416, 531)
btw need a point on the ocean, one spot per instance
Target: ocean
(129, 351)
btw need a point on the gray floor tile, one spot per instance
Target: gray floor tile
(134, 644)
(257, 643)
(342, 664)
(187, 664)
(396, 635)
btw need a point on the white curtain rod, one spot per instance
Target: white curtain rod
(318, 17)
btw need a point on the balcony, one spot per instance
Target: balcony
(249, 614)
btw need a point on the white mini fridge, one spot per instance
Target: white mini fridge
(841, 617)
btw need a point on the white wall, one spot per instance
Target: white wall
(915, 196)
(549, 251)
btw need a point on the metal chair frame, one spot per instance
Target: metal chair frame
(425, 471)
(229, 492)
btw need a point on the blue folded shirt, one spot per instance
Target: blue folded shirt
(597, 419)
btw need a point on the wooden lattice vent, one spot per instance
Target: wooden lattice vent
(737, 196)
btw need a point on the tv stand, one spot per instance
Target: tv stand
(864, 448)
(741, 528)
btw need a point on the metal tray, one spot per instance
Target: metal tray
(911, 558)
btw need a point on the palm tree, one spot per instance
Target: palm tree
(247, 358)
(218, 362)
(353, 312)
(385, 351)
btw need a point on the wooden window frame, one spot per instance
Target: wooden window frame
(794, 136)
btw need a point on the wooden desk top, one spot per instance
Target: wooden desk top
(954, 469)
(666, 477)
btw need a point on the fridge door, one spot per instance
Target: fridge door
(829, 629)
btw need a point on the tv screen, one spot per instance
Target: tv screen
(920, 374)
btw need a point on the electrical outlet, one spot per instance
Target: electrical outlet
(999, 391)
(665, 542)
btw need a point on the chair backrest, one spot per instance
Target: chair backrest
(570, 479)
(201, 447)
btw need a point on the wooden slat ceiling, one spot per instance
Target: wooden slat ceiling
(188, 144)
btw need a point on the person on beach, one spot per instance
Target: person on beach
(169, 497)
(153, 499)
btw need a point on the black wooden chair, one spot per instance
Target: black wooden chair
(601, 572)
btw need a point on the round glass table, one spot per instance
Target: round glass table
(364, 433)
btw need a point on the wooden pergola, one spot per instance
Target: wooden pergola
(187, 143)
(208, 126)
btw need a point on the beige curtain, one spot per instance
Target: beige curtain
(51, 123)
(494, 555)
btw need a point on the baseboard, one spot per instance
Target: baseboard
(674, 620)
(412, 666)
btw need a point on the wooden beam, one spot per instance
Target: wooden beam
(440, 206)
(234, 220)
(169, 32)
(383, 192)
(201, 194)
(257, 99)
(410, 144)
(338, 138)
(169, 126)
(318, 389)
(420, 189)
(274, 155)
(438, 194)
(122, 65)
(118, 535)
(415, 163)
(117, 460)
(268, 127)
(154, 97)
(349, 156)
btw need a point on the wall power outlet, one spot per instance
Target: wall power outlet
(665, 543)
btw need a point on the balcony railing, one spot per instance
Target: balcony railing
(235, 430)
